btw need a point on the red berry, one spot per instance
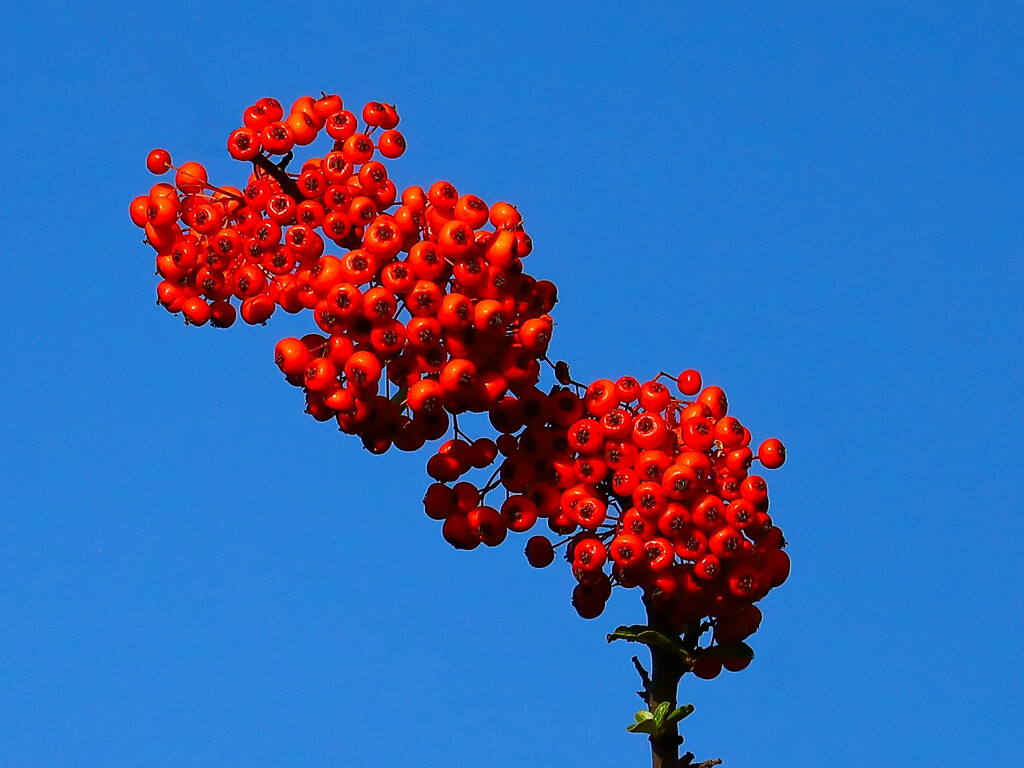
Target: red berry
(588, 606)
(391, 144)
(539, 552)
(222, 314)
(191, 178)
(736, 663)
(689, 382)
(654, 396)
(197, 311)
(714, 398)
(277, 138)
(772, 453)
(707, 668)
(627, 549)
(488, 525)
(158, 161)
(244, 144)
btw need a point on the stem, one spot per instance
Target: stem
(666, 671)
(277, 173)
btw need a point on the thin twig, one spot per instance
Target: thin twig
(645, 694)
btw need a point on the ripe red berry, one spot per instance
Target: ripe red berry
(520, 513)
(588, 554)
(488, 525)
(587, 606)
(590, 512)
(357, 148)
(772, 453)
(649, 431)
(440, 501)
(158, 161)
(754, 489)
(457, 532)
(320, 375)
(627, 549)
(707, 668)
(736, 663)
(244, 144)
(689, 382)
(654, 396)
(196, 311)
(191, 178)
(714, 398)
(708, 567)
(277, 138)
(222, 314)
(627, 389)
(341, 124)
(391, 144)
(539, 552)
(505, 216)
(257, 309)
(327, 105)
(262, 113)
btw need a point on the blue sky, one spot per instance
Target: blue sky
(819, 207)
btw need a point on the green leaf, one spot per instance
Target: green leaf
(678, 714)
(657, 722)
(626, 633)
(729, 651)
(639, 633)
(644, 723)
(659, 713)
(647, 726)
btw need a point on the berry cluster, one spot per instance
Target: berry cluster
(662, 490)
(425, 313)
(430, 297)
(649, 490)
(442, 312)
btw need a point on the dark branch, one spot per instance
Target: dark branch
(686, 761)
(666, 670)
(277, 173)
(645, 679)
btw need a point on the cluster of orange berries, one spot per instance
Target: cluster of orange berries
(425, 313)
(650, 490)
(662, 492)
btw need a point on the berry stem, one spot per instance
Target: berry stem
(277, 173)
(663, 684)
(458, 432)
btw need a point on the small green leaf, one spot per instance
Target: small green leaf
(644, 723)
(638, 633)
(678, 714)
(659, 713)
(647, 726)
(626, 633)
(657, 722)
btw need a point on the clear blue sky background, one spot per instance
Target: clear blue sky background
(818, 207)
